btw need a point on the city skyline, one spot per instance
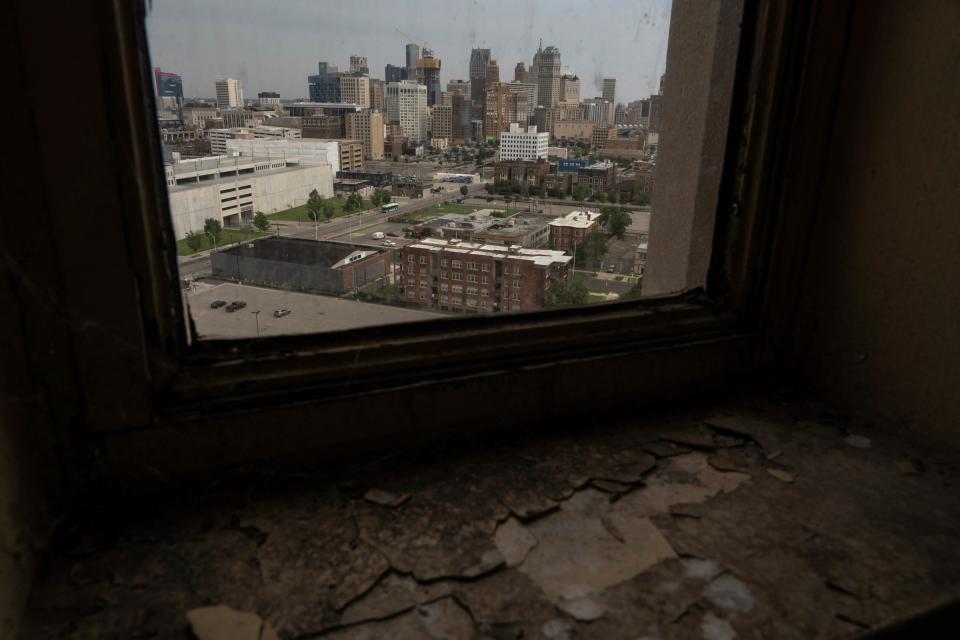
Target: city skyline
(204, 41)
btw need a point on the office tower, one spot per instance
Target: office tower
(376, 94)
(355, 90)
(459, 86)
(547, 63)
(528, 91)
(461, 106)
(520, 73)
(491, 74)
(393, 73)
(569, 88)
(523, 143)
(598, 111)
(169, 85)
(620, 113)
(406, 102)
(478, 68)
(413, 54)
(428, 74)
(609, 89)
(229, 93)
(358, 65)
(325, 86)
(367, 127)
(441, 122)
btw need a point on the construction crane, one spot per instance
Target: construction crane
(423, 45)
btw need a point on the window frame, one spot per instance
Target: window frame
(219, 378)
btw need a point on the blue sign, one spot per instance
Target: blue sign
(572, 165)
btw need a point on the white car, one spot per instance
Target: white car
(389, 243)
(377, 235)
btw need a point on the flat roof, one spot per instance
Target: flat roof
(256, 174)
(542, 257)
(576, 219)
(323, 253)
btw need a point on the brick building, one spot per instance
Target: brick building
(530, 172)
(572, 229)
(600, 176)
(322, 126)
(450, 275)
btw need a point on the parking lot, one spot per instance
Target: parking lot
(308, 313)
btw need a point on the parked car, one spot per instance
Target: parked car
(279, 313)
(236, 305)
(377, 235)
(611, 269)
(393, 235)
(389, 243)
(216, 304)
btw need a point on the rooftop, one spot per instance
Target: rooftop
(576, 219)
(541, 257)
(326, 254)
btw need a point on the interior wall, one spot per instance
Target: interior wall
(879, 330)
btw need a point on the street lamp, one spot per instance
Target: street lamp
(256, 314)
(214, 238)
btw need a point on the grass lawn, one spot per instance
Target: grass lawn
(298, 214)
(227, 236)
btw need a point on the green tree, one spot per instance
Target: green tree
(566, 292)
(260, 221)
(642, 198)
(213, 227)
(580, 193)
(591, 252)
(616, 220)
(385, 196)
(602, 197)
(194, 240)
(488, 187)
(464, 190)
(314, 205)
(375, 197)
(613, 197)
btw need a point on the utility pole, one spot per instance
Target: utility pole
(256, 314)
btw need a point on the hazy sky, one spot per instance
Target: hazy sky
(274, 45)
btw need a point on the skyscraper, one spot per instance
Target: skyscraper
(547, 64)
(392, 73)
(478, 68)
(406, 102)
(358, 65)
(229, 93)
(609, 89)
(413, 54)
(325, 86)
(520, 73)
(355, 90)
(491, 74)
(169, 85)
(570, 88)
(428, 74)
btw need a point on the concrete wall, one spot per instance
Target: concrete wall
(272, 192)
(878, 331)
(289, 275)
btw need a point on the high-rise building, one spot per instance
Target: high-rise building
(499, 110)
(268, 97)
(413, 54)
(478, 68)
(547, 63)
(523, 143)
(325, 86)
(229, 93)
(461, 106)
(169, 85)
(441, 122)
(376, 94)
(569, 88)
(355, 90)
(609, 89)
(358, 64)
(491, 74)
(520, 73)
(406, 102)
(620, 113)
(598, 111)
(459, 86)
(428, 74)
(367, 127)
(528, 91)
(656, 113)
(392, 73)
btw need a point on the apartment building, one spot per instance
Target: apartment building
(355, 90)
(598, 177)
(463, 277)
(351, 155)
(569, 231)
(523, 143)
(569, 88)
(441, 122)
(601, 135)
(366, 126)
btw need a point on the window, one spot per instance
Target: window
(485, 279)
(516, 270)
(423, 295)
(471, 277)
(412, 281)
(484, 293)
(457, 275)
(457, 264)
(423, 259)
(444, 287)
(471, 291)
(456, 288)
(424, 284)
(443, 275)
(516, 284)
(411, 259)
(472, 266)
(443, 262)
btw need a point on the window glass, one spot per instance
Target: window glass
(313, 149)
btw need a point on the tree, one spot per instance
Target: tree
(385, 196)
(260, 221)
(566, 292)
(464, 190)
(375, 197)
(488, 187)
(213, 227)
(194, 240)
(613, 197)
(592, 250)
(314, 205)
(580, 193)
(642, 198)
(602, 197)
(616, 220)
(328, 211)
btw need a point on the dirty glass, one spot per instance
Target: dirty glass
(340, 165)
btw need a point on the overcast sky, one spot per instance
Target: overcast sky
(274, 45)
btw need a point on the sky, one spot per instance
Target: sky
(275, 45)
